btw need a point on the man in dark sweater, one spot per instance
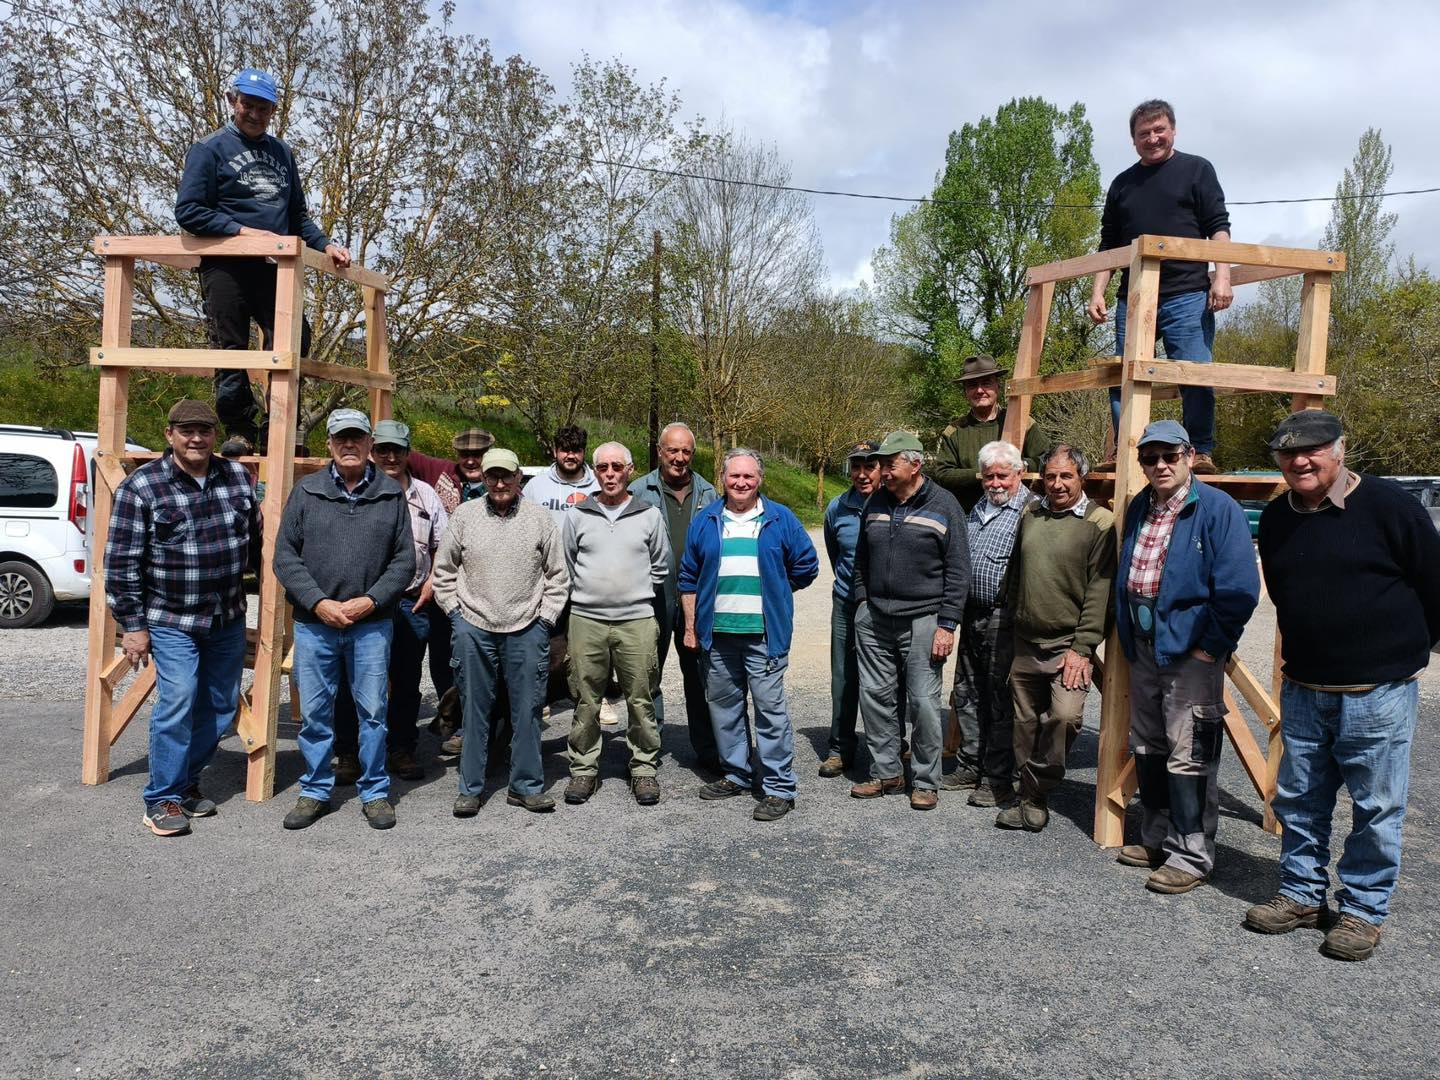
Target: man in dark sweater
(1352, 563)
(345, 554)
(242, 181)
(956, 467)
(912, 569)
(1167, 193)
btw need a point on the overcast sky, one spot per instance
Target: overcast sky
(862, 96)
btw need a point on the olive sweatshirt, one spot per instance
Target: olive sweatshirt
(1060, 577)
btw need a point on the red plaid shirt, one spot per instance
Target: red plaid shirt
(1147, 564)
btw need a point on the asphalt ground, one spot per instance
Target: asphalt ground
(849, 939)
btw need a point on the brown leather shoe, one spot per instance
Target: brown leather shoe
(1026, 814)
(1171, 879)
(1140, 855)
(403, 764)
(1352, 938)
(832, 766)
(923, 799)
(988, 794)
(579, 789)
(1203, 465)
(646, 790)
(1280, 915)
(873, 789)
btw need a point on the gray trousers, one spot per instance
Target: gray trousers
(982, 695)
(1177, 720)
(844, 681)
(892, 651)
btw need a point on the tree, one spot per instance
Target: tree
(740, 252)
(1358, 228)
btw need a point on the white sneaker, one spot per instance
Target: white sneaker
(612, 712)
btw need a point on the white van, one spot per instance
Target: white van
(46, 481)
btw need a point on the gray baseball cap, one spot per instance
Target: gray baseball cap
(392, 433)
(347, 420)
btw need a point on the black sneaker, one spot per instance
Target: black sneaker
(166, 819)
(773, 808)
(724, 788)
(379, 813)
(195, 804)
(307, 811)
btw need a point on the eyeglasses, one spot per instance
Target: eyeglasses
(1172, 457)
(610, 466)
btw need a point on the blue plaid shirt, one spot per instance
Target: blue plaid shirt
(177, 552)
(992, 538)
(351, 494)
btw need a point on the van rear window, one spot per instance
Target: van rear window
(27, 482)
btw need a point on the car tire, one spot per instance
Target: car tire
(26, 597)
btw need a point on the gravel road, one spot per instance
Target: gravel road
(849, 939)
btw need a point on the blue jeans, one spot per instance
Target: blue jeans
(1363, 741)
(480, 658)
(407, 651)
(360, 655)
(197, 688)
(1186, 325)
(737, 663)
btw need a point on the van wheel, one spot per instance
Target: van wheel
(25, 596)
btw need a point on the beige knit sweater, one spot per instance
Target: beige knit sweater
(501, 573)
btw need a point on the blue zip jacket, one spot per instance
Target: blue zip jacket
(1210, 584)
(788, 562)
(842, 534)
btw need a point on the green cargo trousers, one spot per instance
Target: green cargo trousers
(629, 649)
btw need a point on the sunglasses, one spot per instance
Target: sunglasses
(1171, 457)
(610, 466)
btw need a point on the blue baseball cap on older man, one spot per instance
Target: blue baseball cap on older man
(1170, 432)
(258, 84)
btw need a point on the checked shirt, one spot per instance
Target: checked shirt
(177, 552)
(991, 532)
(1147, 565)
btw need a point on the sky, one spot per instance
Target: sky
(863, 96)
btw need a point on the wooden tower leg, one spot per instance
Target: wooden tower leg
(377, 353)
(262, 729)
(1027, 359)
(101, 671)
(1113, 774)
(1276, 748)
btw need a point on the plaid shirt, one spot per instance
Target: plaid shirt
(177, 552)
(1147, 565)
(992, 537)
(352, 494)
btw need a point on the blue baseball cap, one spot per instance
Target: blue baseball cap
(257, 83)
(1164, 431)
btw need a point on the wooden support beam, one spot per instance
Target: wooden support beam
(126, 708)
(1027, 360)
(1277, 746)
(1233, 376)
(318, 260)
(1314, 335)
(1093, 378)
(1255, 695)
(1083, 266)
(186, 360)
(1248, 275)
(148, 247)
(108, 469)
(352, 376)
(1218, 251)
(1244, 742)
(179, 262)
(114, 672)
(377, 355)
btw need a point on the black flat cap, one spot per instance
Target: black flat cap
(1305, 429)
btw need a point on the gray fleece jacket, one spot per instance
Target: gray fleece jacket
(617, 568)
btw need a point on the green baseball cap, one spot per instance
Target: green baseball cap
(392, 433)
(898, 441)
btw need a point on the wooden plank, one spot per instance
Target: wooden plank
(187, 360)
(1244, 742)
(1248, 275)
(126, 708)
(179, 262)
(1254, 694)
(352, 376)
(1246, 377)
(1314, 335)
(1082, 266)
(1027, 360)
(318, 260)
(113, 673)
(1218, 251)
(1093, 378)
(115, 323)
(377, 354)
(107, 468)
(150, 246)
(1277, 747)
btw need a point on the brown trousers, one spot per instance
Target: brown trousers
(1047, 718)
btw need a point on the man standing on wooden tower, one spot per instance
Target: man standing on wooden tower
(242, 181)
(1167, 193)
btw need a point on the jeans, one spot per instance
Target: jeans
(479, 659)
(628, 648)
(844, 681)
(697, 710)
(197, 689)
(1187, 326)
(737, 663)
(359, 656)
(895, 650)
(1363, 741)
(407, 651)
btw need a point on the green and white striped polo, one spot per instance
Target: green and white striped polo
(737, 595)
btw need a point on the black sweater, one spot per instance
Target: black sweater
(913, 558)
(1356, 591)
(1179, 197)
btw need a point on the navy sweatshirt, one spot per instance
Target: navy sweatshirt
(1179, 197)
(230, 181)
(913, 558)
(1356, 591)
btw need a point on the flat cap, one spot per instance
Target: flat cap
(190, 411)
(1305, 429)
(473, 441)
(500, 459)
(392, 433)
(863, 449)
(347, 420)
(897, 441)
(1164, 431)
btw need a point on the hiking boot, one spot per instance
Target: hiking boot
(307, 811)
(1140, 855)
(832, 766)
(447, 714)
(379, 813)
(923, 799)
(646, 790)
(347, 768)
(1171, 879)
(166, 818)
(195, 804)
(1352, 938)
(724, 788)
(580, 788)
(773, 808)
(963, 778)
(403, 765)
(237, 445)
(1280, 915)
(1203, 465)
(466, 805)
(987, 794)
(875, 788)
(536, 804)
(452, 746)
(1026, 814)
